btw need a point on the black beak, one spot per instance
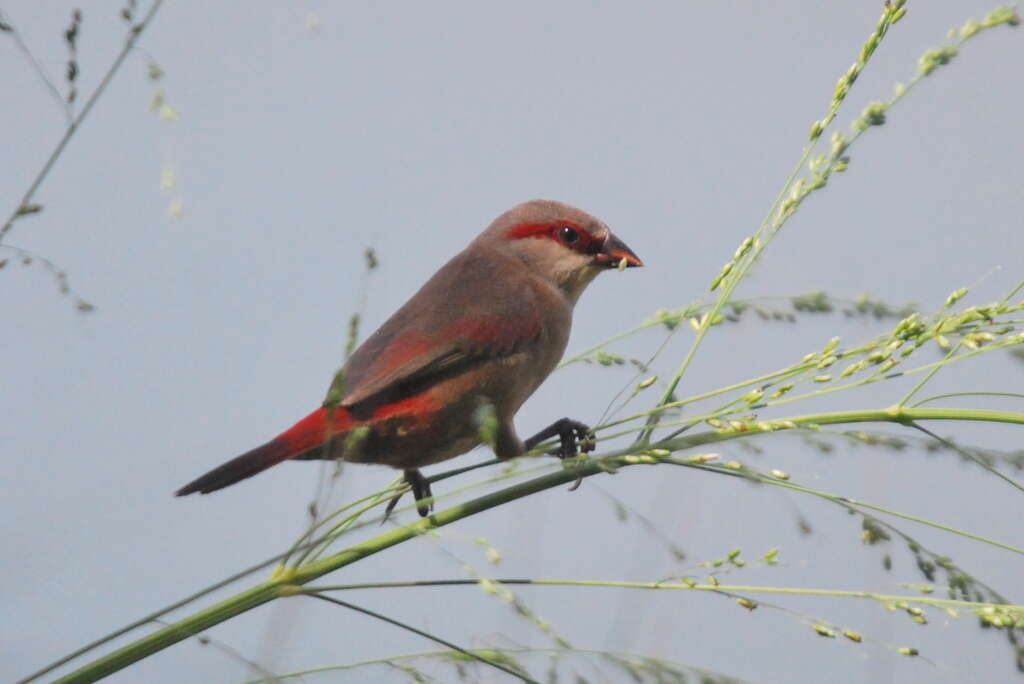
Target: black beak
(614, 250)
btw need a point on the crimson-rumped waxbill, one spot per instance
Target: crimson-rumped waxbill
(485, 330)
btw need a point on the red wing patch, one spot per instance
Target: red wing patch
(494, 336)
(415, 357)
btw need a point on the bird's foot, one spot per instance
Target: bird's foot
(420, 487)
(575, 438)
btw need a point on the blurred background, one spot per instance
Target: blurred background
(221, 235)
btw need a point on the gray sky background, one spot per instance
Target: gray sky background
(408, 127)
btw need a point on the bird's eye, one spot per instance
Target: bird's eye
(568, 235)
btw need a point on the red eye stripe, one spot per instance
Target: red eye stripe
(585, 243)
(526, 230)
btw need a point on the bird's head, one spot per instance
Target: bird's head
(560, 243)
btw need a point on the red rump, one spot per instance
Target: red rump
(307, 435)
(313, 430)
(316, 428)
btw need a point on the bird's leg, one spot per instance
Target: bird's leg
(420, 487)
(574, 436)
(420, 490)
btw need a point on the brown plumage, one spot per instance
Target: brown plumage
(487, 328)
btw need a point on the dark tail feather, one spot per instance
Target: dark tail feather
(302, 440)
(246, 465)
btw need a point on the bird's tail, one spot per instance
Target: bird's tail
(308, 435)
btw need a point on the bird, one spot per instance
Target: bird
(475, 341)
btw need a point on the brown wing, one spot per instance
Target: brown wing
(475, 308)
